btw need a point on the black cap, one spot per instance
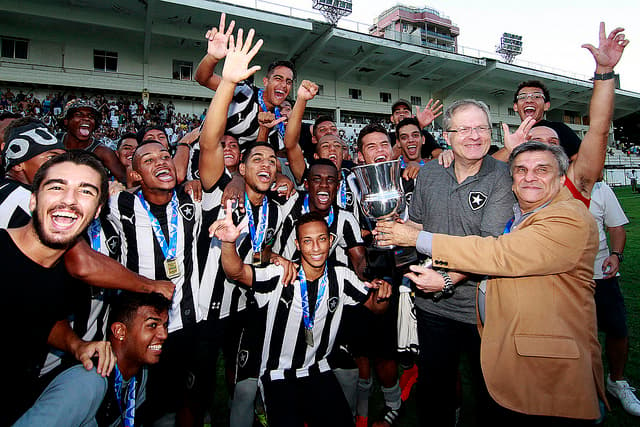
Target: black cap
(400, 102)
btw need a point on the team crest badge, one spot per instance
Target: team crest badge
(477, 200)
(349, 195)
(333, 304)
(112, 244)
(187, 211)
(408, 197)
(243, 357)
(269, 235)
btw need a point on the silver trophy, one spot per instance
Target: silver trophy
(382, 197)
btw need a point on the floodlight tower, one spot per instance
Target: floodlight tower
(510, 46)
(333, 10)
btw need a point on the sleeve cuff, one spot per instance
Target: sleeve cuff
(424, 242)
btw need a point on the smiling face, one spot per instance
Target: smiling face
(145, 335)
(331, 148)
(81, 123)
(125, 152)
(411, 140)
(314, 243)
(156, 135)
(322, 185)
(400, 113)
(536, 179)
(322, 129)
(533, 105)
(66, 201)
(474, 146)
(259, 169)
(376, 148)
(231, 152)
(153, 166)
(278, 85)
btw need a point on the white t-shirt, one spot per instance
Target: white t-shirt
(607, 211)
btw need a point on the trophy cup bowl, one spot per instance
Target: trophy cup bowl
(382, 197)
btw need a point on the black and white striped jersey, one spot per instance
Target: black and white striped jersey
(142, 253)
(220, 297)
(344, 228)
(193, 167)
(285, 353)
(242, 118)
(14, 203)
(91, 304)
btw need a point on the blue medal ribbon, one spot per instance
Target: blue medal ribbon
(168, 249)
(322, 286)
(257, 238)
(342, 191)
(404, 165)
(130, 411)
(94, 234)
(276, 111)
(305, 209)
(507, 228)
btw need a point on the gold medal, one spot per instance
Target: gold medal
(257, 259)
(308, 337)
(171, 268)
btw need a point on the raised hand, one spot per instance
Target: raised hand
(307, 90)
(224, 229)
(218, 39)
(268, 120)
(429, 114)
(609, 49)
(236, 66)
(512, 140)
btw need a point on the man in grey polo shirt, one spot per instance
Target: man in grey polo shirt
(473, 197)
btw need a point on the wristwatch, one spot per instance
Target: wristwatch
(448, 288)
(619, 255)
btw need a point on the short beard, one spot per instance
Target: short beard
(37, 225)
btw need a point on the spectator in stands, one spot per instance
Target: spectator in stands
(401, 109)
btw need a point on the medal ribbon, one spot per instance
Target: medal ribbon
(276, 110)
(507, 228)
(404, 165)
(94, 234)
(168, 250)
(322, 286)
(130, 413)
(342, 192)
(256, 238)
(305, 209)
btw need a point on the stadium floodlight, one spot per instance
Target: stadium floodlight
(510, 46)
(333, 10)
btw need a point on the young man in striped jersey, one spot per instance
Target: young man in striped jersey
(248, 100)
(302, 323)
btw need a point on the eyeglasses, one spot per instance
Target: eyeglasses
(535, 96)
(464, 132)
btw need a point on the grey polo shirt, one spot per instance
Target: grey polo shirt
(481, 206)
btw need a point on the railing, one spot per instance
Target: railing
(433, 33)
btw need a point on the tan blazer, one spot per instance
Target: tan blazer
(540, 353)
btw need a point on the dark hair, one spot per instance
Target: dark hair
(250, 148)
(127, 135)
(146, 129)
(9, 115)
(406, 122)
(337, 138)
(142, 144)
(126, 304)
(78, 157)
(533, 83)
(370, 128)
(322, 162)
(310, 217)
(281, 63)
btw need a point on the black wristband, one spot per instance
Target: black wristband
(605, 76)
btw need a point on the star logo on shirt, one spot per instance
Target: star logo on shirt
(477, 200)
(187, 211)
(333, 304)
(243, 357)
(112, 244)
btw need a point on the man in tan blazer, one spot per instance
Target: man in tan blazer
(540, 354)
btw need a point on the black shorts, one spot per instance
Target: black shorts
(377, 335)
(248, 354)
(612, 314)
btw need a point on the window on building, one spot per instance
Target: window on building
(416, 100)
(320, 90)
(105, 61)
(511, 111)
(355, 93)
(182, 70)
(385, 97)
(14, 48)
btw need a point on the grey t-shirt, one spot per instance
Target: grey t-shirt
(480, 206)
